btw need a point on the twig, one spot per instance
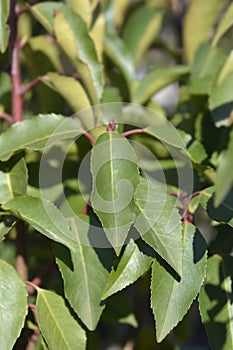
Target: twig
(24, 88)
(132, 132)
(33, 340)
(6, 116)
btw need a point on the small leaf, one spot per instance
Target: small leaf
(85, 280)
(170, 298)
(115, 176)
(141, 29)
(4, 29)
(13, 305)
(199, 19)
(13, 179)
(224, 177)
(44, 13)
(158, 222)
(73, 37)
(60, 330)
(43, 216)
(35, 133)
(156, 79)
(132, 265)
(225, 24)
(69, 88)
(215, 302)
(5, 227)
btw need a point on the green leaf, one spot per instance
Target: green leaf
(224, 177)
(115, 176)
(5, 227)
(44, 13)
(83, 273)
(35, 133)
(43, 216)
(207, 63)
(156, 79)
(73, 37)
(4, 29)
(132, 265)
(82, 8)
(116, 49)
(119, 9)
(199, 19)
(171, 298)
(97, 34)
(159, 222)
(221, 100)
(13, 305)
(215, 302)
(69, 88)
(13, 179)
(60, 330)
(141, 29)
(224, 25)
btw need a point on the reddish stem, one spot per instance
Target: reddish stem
(24, 88)
(33, 340)
(89, 137)
(6, 116)
(132, 132)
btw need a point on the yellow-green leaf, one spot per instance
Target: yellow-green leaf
(224, 25)
(4, 28)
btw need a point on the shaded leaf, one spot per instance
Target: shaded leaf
(132, 265)
(115, 176)
(141, 29)
(35, 133)
(5, 227)
(4, 29)
(170, 298)
(73, 37)
(159, 222)
(43, 216)
(13, 305)
(69, 88)
(199, 19)
(224, 177)
(13, 179)
(156, 79)
(116, 49)
(207, 63)
(60, 330)
(224, 25)
(215, 302)
(83, 273)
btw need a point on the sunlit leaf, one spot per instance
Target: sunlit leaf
(4, 29)
(13, 305)
(44, 13)
(132, 265)
(59, 328)
(171, 298)
(82, 8)
(224, 25)
(115, 176)
(97, 34)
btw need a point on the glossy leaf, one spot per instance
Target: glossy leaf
(60, 330)
(119, 53)
(224, 177)
(225, 24)
(221, 101)
(43, 216)
(13, 179)
(13, 305)
(4, 29)
(199, 19)
(215, 302)
(69, 88)
(207, 63)
(73, 37)
(115, 176)
(35, 133)
(44, 13)
(132, 265)
(156, 79)
(159, 223)
(141, 29)
(83, 273)
(170, 298)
